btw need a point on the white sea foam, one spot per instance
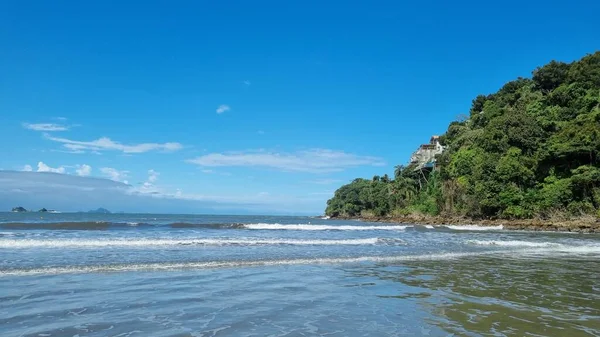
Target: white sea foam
(541, 247)
(136, 242)
(308, 227)
(514, 243)
(227, 264)
(585, 249)
(474, 227)
(429, 227)
(168, 266)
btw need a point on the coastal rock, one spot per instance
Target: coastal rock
(577, 225)
(19, 209)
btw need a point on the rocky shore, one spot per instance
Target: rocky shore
(578, 225)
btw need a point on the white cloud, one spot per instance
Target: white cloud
(223, 108)
(68, 192)
(152, 176)
(256, 199)
(225, 174)
(148, 186)
(313, 161)
(325, 181)
(45, 168)
(247, 83)
(323, 193)
(48, 127)
(83, 170)
(114, 174)
(27, 168)
(106, 144)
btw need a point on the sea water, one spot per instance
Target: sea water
(196, 275)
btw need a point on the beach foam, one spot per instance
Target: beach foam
(546, 251)
(308, 227)
(473, 227)
(137, 242)
(544, 248)
(225, 264)
(513, 243)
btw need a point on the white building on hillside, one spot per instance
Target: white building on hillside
(424, 157)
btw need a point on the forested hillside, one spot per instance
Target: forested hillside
(528, 150)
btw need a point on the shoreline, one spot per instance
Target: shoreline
(581, 225)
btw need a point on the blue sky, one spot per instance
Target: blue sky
(262, 106)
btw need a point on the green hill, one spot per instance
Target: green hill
(529, 150)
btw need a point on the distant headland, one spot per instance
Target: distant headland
(528, 155)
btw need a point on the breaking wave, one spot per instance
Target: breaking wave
(309, 227)
(137, 242)
(526, 252)
(225, 264)
(514, 243)
(473, 227)
(100, 225)
(541, 247)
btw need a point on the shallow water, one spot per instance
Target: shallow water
(181, 275)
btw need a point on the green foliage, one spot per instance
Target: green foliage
(551, 75)
(530, 149)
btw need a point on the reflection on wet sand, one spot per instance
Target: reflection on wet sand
(502, 297)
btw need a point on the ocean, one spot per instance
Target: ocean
(200, 275)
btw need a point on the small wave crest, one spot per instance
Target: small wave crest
(473, 227)
(135, 242)
(391, 242)
(102, 225)
(545, 248)
(513, 243)
(309, 227)
(226, 264)
(183, 225)
(81, 225)
(106, 225)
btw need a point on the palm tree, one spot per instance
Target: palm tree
(398, 169)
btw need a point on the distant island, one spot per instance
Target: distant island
(527, 152)
(20, 209)
(100, 210)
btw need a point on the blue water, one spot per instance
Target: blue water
(190, 275)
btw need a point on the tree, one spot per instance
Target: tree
(550, 76)
(398, 169)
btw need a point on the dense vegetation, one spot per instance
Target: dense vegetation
(529, 150)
